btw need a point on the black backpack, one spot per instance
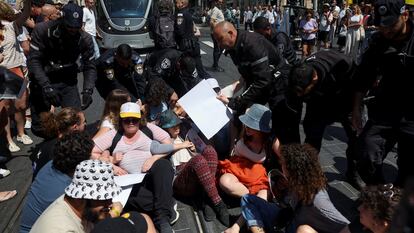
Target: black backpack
(119, 134)
(164, 31)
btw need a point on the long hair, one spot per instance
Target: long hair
(113, 104)
(305, 174)
(60, 123)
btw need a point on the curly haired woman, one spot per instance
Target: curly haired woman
(377, 209)
(307, 197)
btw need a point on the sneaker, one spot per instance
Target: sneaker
(25, 139)
(4, 172)
(13, 147)
(222, 213)
(165, 228)
(28, 124)
(175, 214)
(208, 213)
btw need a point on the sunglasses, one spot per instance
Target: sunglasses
(129, 121)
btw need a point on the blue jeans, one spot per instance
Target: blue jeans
(261, 213)
(96, 47)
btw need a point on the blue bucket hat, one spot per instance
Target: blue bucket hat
(72, 15)
(169, 119)
(258, 117)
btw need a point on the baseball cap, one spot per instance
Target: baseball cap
(130, 109)
(72, 15)
(387, 12)
(131, 222)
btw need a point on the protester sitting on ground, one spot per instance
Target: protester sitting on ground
(244, 172)
(378, 206)
(55, 176)
(306, 196)
(158, 98)
(56, 126)
(195, 171)
(87, 200)
(110, 115)
(132, 222)
(131, 146)
(404, 214)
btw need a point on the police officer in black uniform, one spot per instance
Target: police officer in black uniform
(54, 49)
(177, 69)
(281, 40)
(186, 40)
(324, 81)
(390, 56)
(121, 68)
(265, 73)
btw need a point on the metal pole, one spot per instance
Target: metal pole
(315, 5)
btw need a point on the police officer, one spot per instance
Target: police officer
(390, 56)
(177, 69)
(54, 49)
(264, 71)
(282, 42)
(121, 68)
(324, 81)
(186, 40)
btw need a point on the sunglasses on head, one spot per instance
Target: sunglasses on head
(130, 121)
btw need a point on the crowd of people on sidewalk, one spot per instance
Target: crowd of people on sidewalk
(257, 159)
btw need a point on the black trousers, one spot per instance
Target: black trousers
(68, 95)
(192, 48)
(216, 52)
(319, 116)
(285, 122)
(374, 143)
(155, 194)
(248, 24)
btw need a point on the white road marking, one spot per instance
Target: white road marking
(202, 52)
(208, 43)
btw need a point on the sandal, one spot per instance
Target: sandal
(6, 195)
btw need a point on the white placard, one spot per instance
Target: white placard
(126, 182)
(123, 196)
(206, 111)
(129, 179)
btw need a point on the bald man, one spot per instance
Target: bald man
(49, 12)
(265, 73)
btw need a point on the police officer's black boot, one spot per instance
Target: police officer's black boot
(353, 177)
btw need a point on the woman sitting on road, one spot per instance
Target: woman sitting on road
(244, 172)
(195, 171)
(377, 208)
(110, 116)
(306, 195)
(56, 126)
(131, 149)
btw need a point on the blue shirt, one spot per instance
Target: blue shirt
(48, 185)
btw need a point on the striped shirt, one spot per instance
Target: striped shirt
(136, 153)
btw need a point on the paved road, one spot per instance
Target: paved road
(332, 158)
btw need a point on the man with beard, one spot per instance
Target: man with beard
(386, 69)
(54, 50)
(87, 200)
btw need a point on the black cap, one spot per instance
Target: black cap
(387, 12)
(72, 15)
(132, 222)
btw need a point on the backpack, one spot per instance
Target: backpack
(164, 31)
(118, 137)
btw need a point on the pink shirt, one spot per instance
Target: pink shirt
(135, 154)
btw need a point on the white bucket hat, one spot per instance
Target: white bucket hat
(94, 180)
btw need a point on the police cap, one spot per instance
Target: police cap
(72, 15)
(387, 12)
